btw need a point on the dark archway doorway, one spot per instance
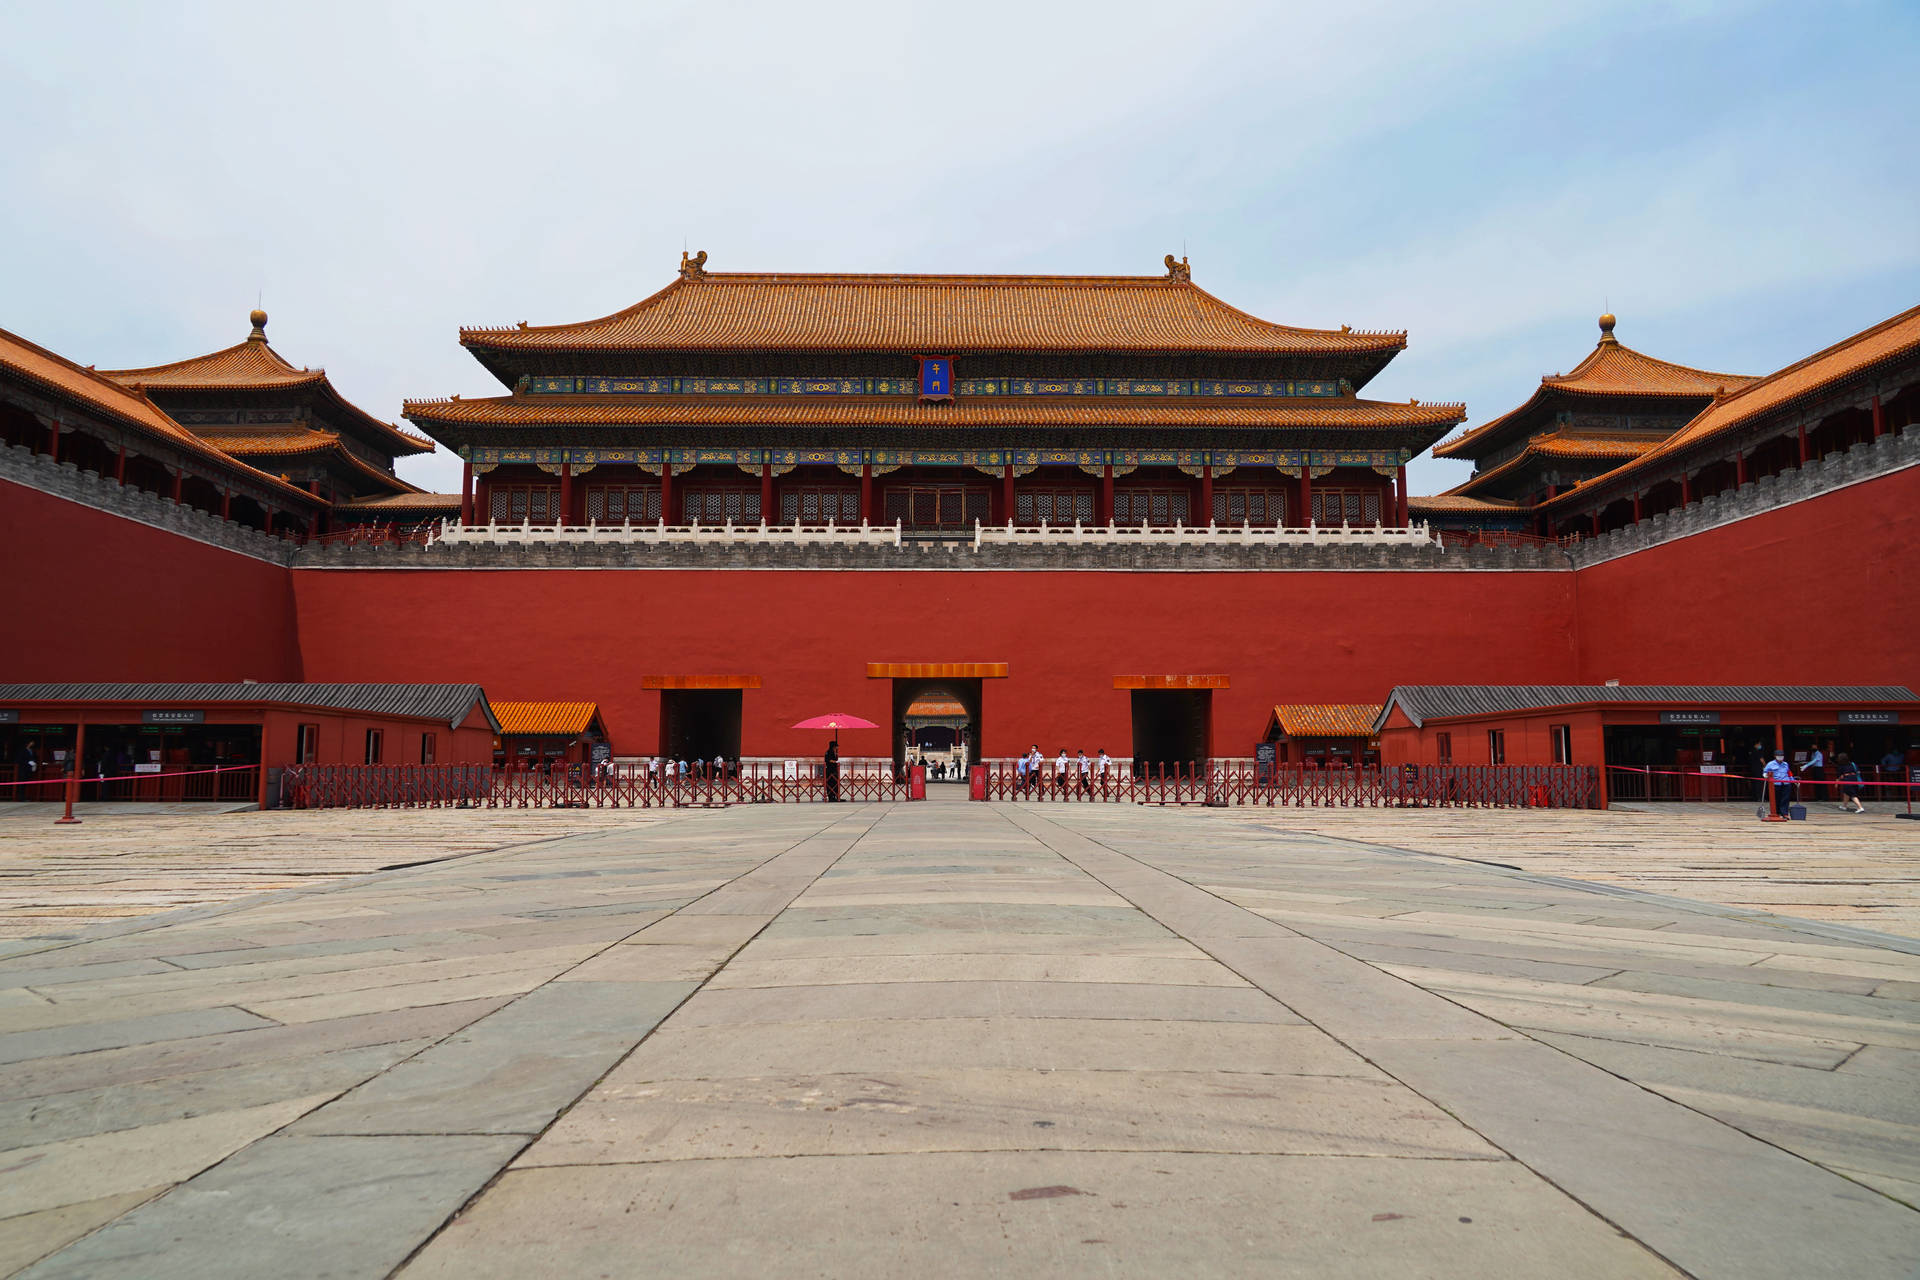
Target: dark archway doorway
(699, 724)
(1171, 727)
(931, 711)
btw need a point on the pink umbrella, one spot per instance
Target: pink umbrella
(837, 720)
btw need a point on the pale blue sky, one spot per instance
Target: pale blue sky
(1737, 180)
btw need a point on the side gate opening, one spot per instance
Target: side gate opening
(1171, 728)
(939, 715)
(699, 724)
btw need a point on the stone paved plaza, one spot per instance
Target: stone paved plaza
(951, 1039)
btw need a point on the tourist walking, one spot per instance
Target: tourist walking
(1060, 769)
(1086, 774)
(1813, 771)
(1850, 785)
(1779, 775)
(1101, 766)
(831, 770)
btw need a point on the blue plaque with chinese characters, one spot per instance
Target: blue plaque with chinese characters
(936, 378)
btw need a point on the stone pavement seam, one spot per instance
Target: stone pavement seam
(874, 813)
(282, 1132)
(1720, 910)
(1569, 1063)
(209, 911)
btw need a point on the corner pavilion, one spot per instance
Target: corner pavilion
(936, 401)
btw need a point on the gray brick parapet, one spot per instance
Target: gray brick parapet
(1866, 461)
(64, 480)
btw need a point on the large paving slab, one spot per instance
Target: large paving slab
(956, 1039)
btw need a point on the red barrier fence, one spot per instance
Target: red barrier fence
(225, 782)
(1554, 786)
(580, 786)
(1646, 782)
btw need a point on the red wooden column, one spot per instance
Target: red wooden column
(226, 503)
(74, 767)
(120, 467)
(1596, 524)
(1739, 468)
(566, 492)
(1802, 431)
(1636, 506)
(53, 440)
(1879, 419)
(1006, 493)
(1306, 496)
(466, 492)
(866, 493)
(179, 478)
(1400, 487)
(766, 493)
(1105, 514)
(269, 514)
(666, 492)
(1686, 489)
(1205, 514)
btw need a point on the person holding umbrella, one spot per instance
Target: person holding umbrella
(830, 762)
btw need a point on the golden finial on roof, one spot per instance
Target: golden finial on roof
(259, 319)
(1606, 328)
(692, 268)
(1177, 269)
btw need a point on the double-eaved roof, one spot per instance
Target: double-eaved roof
(254, 367)
(449, 704)
(1423, 702)
(1611, 370)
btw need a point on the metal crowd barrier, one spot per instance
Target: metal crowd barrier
(1302, 786)
(581, 786)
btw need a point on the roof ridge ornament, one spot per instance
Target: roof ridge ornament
(259, 319)
(1178, 269)
(1606, 331)
(695, 267)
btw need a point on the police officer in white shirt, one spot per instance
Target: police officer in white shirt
(1780, 774)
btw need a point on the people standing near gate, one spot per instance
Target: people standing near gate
(1779, 775)
(1036, 766)
(1101, 766)
(1850, 785)
(831, 761)
(1814, 770)
(1020, 776)
(1086, 774)
(1892, 766)
(1061, 766)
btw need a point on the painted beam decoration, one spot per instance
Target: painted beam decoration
(1192, 461)
(937, 371)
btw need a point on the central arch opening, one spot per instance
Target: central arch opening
(936, 721)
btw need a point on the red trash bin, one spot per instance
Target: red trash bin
(977, 782)
(917, 782)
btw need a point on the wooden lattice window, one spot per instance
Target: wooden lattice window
(718, 506)
(938, 506)
(1053, 506)
(375, 741)
(1443, 747)
(1496, 746)
(1346, 506)
(1258, 507)
(1157, 507)
(817, 504)
(613, 504)
(518, 503)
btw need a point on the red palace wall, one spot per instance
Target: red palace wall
(1824, 591)
(593, 634)
(85, 595)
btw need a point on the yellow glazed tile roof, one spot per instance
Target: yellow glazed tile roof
(1327, 719)
(552, 719)
(932, 314)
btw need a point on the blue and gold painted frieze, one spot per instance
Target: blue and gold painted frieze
(1160, 388)
(1290, 460)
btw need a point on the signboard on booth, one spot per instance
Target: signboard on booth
(1689, 717)
(173, 716)
(9, 716)
(1869, 717)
